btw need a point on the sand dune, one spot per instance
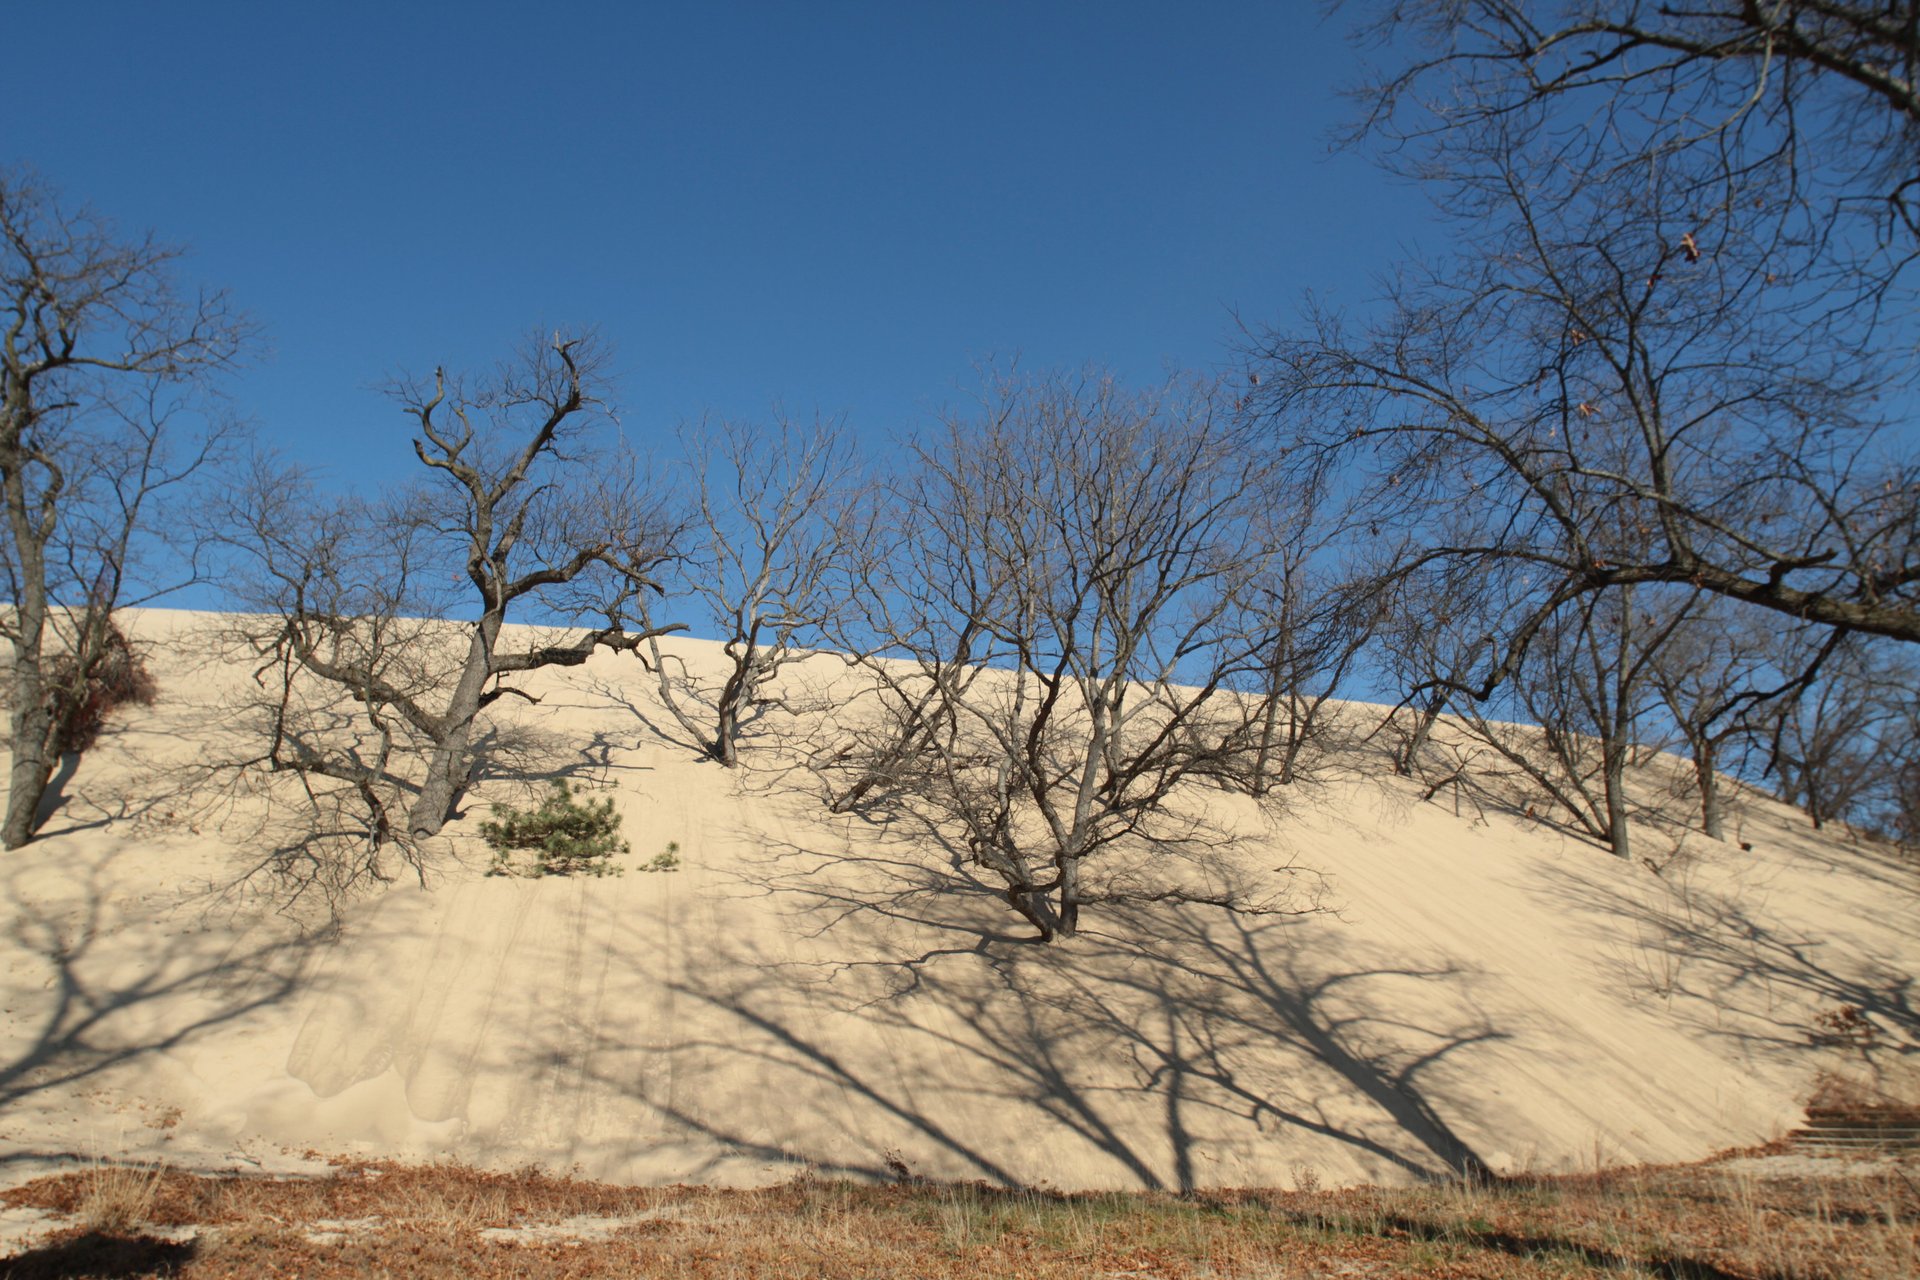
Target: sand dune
(818, 991)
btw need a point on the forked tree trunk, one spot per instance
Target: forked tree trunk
(448, 771)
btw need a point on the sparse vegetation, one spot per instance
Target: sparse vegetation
(116, 1198)
(107, 416)
(567, 835)
(1703, 1222)
(1075, 612)
(84, 689)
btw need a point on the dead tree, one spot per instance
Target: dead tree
(1577, 707)
(1060, 644)
(758, 559)
(1644, 363)
(106, 413)
(1841, 749)
(513, 511)
(1314, 614)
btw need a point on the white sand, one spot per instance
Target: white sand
(817, 991)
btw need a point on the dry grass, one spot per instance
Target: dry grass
(116, 1198)
(1700, 1222)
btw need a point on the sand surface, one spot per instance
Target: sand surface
(810, 991)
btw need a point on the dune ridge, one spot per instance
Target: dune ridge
(817, 992)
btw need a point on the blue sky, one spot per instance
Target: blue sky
(836, 208)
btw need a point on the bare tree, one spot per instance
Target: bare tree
(1605, 396)
(1059, 641)
(1313, 616)
(105, 412)
(511, 514)
(1578, 706)
(348, 630)
(1664, 309)
(1719, 672)
(1431, 640)
(1810, 108)
(1840, 749)
(759, 561)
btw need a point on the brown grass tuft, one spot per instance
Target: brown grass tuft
(114, 1199)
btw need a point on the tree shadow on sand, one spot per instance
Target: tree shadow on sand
(85, 1002)
(1172, 1044)
(1722, 956)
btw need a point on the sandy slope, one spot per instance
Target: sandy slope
(811, 990)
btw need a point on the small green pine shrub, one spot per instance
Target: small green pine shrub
(668, 861)
(567, 835)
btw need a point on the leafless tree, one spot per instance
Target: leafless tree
(348, 628)
(1313, 614)
(106, 412)
(1606, 395)
(1719, 671)
(511, 514)
(1057, 601)
(1809, 110)
(1655, 204)
(759, 560)
(1841, 749)
(1578, 708)
(1430, 642)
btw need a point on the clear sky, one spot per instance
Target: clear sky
(839, 208)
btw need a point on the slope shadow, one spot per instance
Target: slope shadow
(1228, 1036)
(100, 1256)
(1559, 1250)
(1721, 953)
(96, 1012)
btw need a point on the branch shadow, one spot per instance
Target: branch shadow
(98, 1010)
(517, 755)
(1171, 1043)
(1534, 1248)
(1721, 953)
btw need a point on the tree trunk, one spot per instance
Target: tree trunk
(31, 716)
(1422, 730)
(1619, 834)
(739, 684)
(726, 730)
(1269, 723)
(447, 772)
(1711, 820)
(1069, 913)
(32, 761)
(1033, 909)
